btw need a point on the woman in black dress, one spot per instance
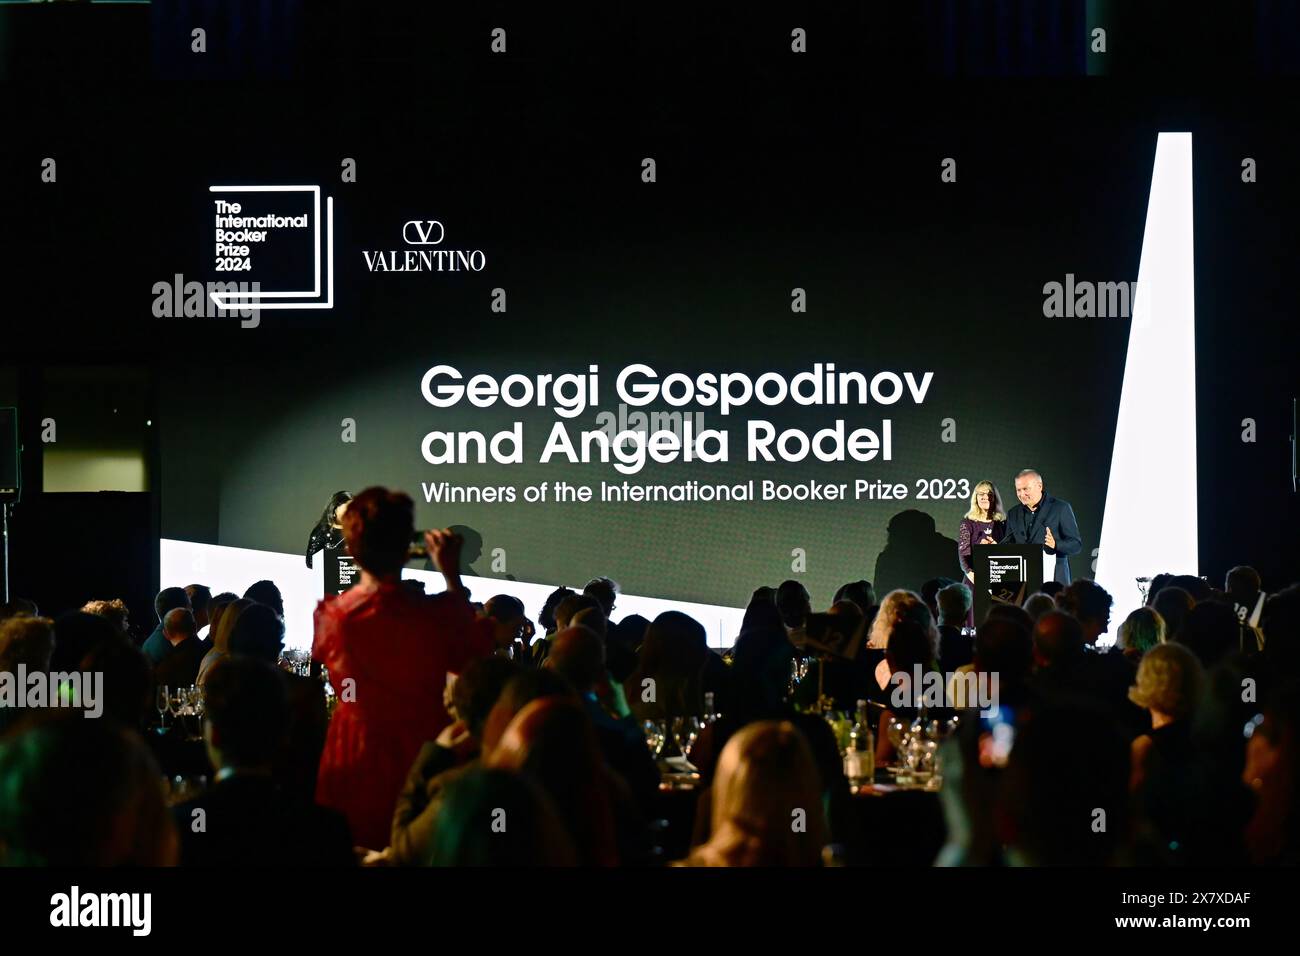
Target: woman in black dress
(985, 523)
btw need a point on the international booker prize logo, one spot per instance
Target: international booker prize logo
(277, 234)
(425, 238)
(267, 245)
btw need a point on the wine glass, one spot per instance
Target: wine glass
(940, 730)
(686, 730)
(654, 736)
(921, 757)
(897, 732)
(163, 702)
(193, 713)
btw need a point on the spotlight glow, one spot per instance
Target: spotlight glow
(1149, 522)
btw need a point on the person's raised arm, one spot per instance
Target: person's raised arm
(444, 548)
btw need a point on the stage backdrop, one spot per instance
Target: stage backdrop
(778, 257)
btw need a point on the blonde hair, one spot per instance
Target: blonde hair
(221, 639)
(115, 611)
(1169, 680)
(765, 774)
(995, 503)
(1142, 630)
(897, 607)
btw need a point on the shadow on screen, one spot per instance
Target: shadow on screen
(914, 553)
(471, 552)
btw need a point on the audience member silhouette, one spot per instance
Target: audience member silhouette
(552, 741)
(156, 646)
(49, 816)
(669, 677)
(500, 819)
(1272, 773)
(418, 812)
(26, 644)
(1069, 767)
(955, 648)
(76, 634)
(1168, 764)
(1038, 604)
(180, 668)
(766, 778)
(265, 592)
(230, 615)
(860, 593)
(1210, 631)
(200, 596)
(1172, 604)
(114, 611)
(1142, 630)
(578, 655)
(246, 818)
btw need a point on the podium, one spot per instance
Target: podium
(340, 569)
(1005, 574)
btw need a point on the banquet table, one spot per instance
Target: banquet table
(888, 825)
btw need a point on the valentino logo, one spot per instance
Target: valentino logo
(424, 232)
(424, 229)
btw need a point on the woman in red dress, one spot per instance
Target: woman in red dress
(388, 648)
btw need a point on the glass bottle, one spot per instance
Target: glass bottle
(860, 757)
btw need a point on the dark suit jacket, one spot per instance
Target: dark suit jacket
(415, 818)
(623, 744)
(1030, 527)
(180, 666)
(299, 757)
(156, 646)
(955, 649)
(249, 821)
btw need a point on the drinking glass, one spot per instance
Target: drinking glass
(654, 736)
(897, 731)
(163, 702)
(834, 719)
(939, 730)
(193, 713)
(686, 730)
(925, 756)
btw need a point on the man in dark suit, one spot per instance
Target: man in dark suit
(246, 818)
(259, 634)
(180, 665)
(956, 649)
(1042, 519)
(156, 646)
(578, 655)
